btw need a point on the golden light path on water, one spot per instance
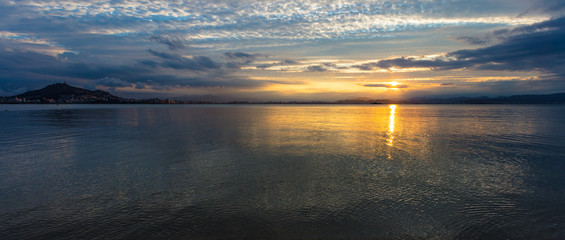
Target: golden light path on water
(390, 139)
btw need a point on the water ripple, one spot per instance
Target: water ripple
(283, 172)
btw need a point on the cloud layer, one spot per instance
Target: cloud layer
(276, 47)
(215, 20)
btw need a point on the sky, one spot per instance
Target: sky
(287, 50)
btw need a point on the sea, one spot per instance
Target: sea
(282, 171)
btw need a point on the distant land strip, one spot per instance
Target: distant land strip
(62, 93)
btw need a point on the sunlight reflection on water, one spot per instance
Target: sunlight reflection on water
(391, 125)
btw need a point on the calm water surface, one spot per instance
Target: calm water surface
(282, 172)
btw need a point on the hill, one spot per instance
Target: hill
(64, 93)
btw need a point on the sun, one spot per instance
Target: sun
(394, 84)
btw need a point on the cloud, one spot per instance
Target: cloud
(536, 47)
(86, 41)
(284, 62)
(140, 85)
(330, 65)
(325, 67)
(477, 40)
(35, 70)
(312, 19)
(163, 55)
(176, 61)
(174, 43)
(385, 86)
(29, 42)
(555, 7)
(198, 63)
(438, 63)
(238, 59)
(505, 34)
(316, 68)
(111, 82)
(108, 83)
(240, 55)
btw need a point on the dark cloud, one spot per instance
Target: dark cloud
(286, 82)
(447, 84)
(333, 65)
(111, 82)
(165, 71)
(176, 61)
(25, 60)
(536, 47)
(239, 59)
(329, 66)
(377, 85)
(501, 35)
(174, 43)
(478, 40)
(385, 86)
(367, 66)
(140, 85)
(108, 83)
(168, 56)
(555, 7)
(198, 63)
(440, 63)
(67, 56)
(239, 55)
(491, 37)
(316, 68)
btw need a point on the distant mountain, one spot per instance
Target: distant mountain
(64, 93)
(358, 100)
(557, 98)
(431, 100)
